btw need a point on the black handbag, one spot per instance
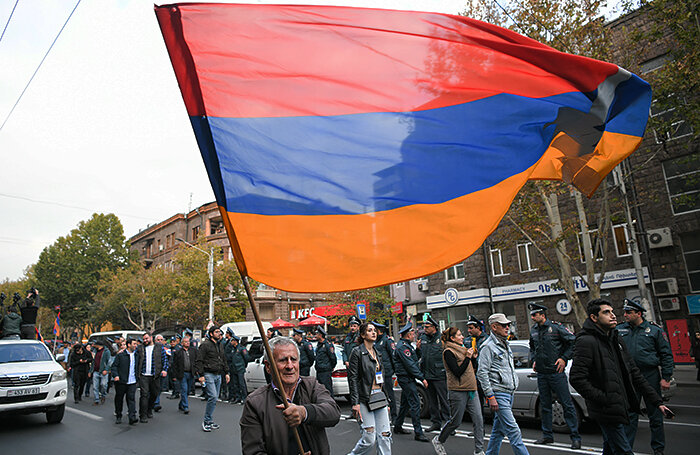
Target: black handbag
(377, 400)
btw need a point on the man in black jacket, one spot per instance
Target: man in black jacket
(182, 370)
(606, 377)
(126, 376)
(153, 365)
(429, 350)
(211, 364)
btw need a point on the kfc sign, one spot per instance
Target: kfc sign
(301, 314)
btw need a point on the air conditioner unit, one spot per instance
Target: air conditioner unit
(160, 247)
(665, 286)
(423, 287)
(669, 303)
(659, 238)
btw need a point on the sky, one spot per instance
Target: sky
(102, 126)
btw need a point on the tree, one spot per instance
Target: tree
(142, 296)
(673, 75)
(68, 271)
(192, 281)
(377, 303)
(577, 27)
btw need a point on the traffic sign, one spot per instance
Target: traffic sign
(361, 311)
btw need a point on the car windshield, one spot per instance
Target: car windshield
(23, 353)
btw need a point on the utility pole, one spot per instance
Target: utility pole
(634, 248)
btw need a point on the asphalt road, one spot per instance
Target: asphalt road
(88, 429)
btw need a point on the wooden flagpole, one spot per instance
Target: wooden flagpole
(273, 365)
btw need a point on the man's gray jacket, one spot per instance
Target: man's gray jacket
(496, 371)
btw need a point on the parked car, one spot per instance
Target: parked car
(255, 376)
(31, 380)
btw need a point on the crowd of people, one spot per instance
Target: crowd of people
(613, 367)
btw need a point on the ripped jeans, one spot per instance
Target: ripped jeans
(376, 431)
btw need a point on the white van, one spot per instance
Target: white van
(126, 334)
(246, 330)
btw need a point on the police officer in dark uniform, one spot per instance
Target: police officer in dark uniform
(477, 336)
(552, 345)
(307, 357)
(350, 341)
(239, 361)
(385, 346)
(228, 352)
(429, 349)
(407, 371)
(648, 345)
(325, 360)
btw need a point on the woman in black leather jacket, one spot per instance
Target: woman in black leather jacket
(369, 405)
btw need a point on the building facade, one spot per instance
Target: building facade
(662, 185)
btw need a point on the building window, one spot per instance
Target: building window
(195, 232)
(216, 227)
(690, 244)
(149, 250)
(456, 272)
(682, 181)
(596, 245)
(525, 251)
(622, 238)
(673, 127)
(497, 263)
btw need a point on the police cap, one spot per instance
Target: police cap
(431, 321)
(536, 308)
(473, 320)
(320, 330)
(407, 328)
(631, 305)
(378, 325)
(298, 330)
(354, 320)
(230, 332)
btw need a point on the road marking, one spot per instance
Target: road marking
(559, 447)
(666, 422)
(84, 414)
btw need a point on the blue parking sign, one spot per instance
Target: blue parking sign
(361, 311)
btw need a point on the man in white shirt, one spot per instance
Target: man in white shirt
(126, 374)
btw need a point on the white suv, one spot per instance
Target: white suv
(31, 380)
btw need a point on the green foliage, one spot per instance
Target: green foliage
(192, 280)
(68, 271)
(377, 304)
(674, 24)
(143, 296)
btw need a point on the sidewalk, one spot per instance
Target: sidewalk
(686, 376)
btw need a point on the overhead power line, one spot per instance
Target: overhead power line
(8, 20)
(59, 204)
(37, 68)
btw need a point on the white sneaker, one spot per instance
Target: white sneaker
(439, 448)
(481, 452)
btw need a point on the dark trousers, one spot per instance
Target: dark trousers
(410, 403)
(324, 377)
(439, 406)
(79, 381)
(557, 383)
(656, 417)
(150, 388)
(128, 390)
(388, 388)
(615, 440)
(239, 390)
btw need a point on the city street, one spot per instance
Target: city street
(86, 428)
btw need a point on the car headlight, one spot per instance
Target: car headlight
(59, 375)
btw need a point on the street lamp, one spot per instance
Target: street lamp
(210, 269)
